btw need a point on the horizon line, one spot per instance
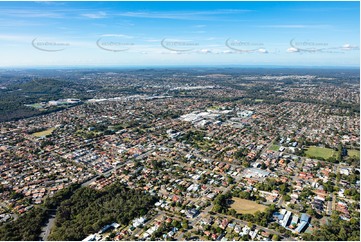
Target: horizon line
(180, 66)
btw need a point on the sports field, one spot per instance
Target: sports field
(44, 133)
(246, 206)
(325, 153)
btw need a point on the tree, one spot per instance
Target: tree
(88, 210)
(176, 223)
(283, 189)
(230, 180)
(185, 224)
(187, 235)
(233, 212)
(275, 237)
(112, 235)
(245, 195)
(220, 203)
(339, 152)
(217, 208)
(246, 237)
(316, 223)
(250, 224)
(311, 212)
(287, 198)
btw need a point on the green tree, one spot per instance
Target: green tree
(185, 224)
(275, 237)
(287, 198)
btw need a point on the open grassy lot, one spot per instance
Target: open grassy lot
(352, 153)
(215, 108)
(325, 153)
(274, 147)
(44, 133)
(246, 206)
(35, 105)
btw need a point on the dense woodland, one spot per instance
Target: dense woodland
(28, 226)
(88, 210)
(336, 230)
(15, 96)
(80, 211)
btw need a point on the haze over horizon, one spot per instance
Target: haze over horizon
(124, 34)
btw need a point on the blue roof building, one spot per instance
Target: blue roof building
(277, 215)
(305, 217)
(286, 219)
(301, 227)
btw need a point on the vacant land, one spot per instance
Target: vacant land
(215, 108)
(355, 153)
(246, 206)
(325, 153)
(35, 105)
(44, 133)
(274, 147)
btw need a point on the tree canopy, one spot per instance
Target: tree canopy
(88, 210)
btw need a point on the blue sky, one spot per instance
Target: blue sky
(179, 33)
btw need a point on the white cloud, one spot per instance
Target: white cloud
(349, 47)
(118, 35)
(21, 23)
(97, 15)
(153, 40)
(16, 38)
(292, 50)
(296, 26)
(31, 13)
(205, 51)
(182, 15)
(227, 52)
(211, 38)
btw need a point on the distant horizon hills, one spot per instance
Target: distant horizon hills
(177, 67)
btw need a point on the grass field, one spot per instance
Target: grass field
(325, 153)
(246, 206)
(215, 108)
(274, 147)
(355, 153)
(35, 105)
(44, 133)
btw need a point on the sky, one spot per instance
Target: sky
(77, 34)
